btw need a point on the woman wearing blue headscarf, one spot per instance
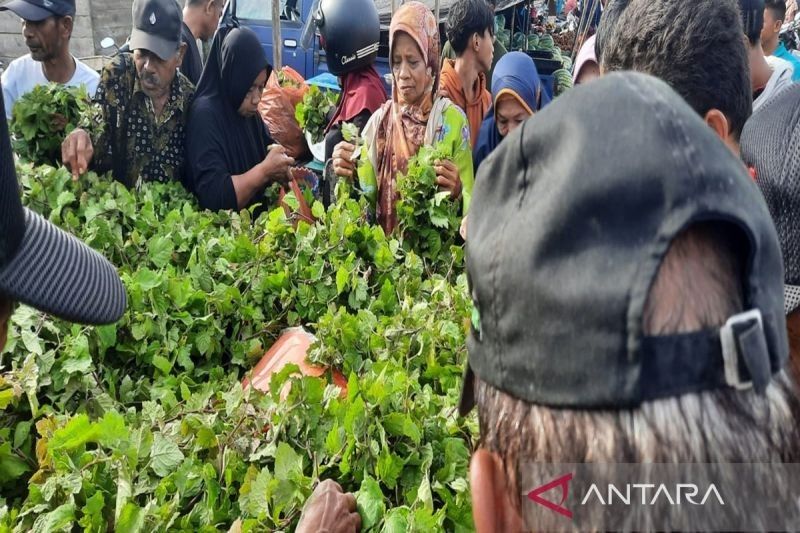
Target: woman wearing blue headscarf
(517, 93)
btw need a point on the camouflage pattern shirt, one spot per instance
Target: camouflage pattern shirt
(128, 139)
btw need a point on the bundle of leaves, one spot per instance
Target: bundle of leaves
(428, 219)
(144, 425)
(312, 112)
(43, 117)
(286, 81)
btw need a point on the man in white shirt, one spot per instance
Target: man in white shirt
(47, 28)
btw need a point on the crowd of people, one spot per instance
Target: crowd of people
(633, 247)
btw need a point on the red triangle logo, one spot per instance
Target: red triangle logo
(563, 482)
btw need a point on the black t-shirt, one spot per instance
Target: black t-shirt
(192, 65)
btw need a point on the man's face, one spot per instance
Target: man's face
(772, 26)
(486, 50)
(211, 15)
(46, 38)
(156, 74)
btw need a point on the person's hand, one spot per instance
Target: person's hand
(277, 165)
(463, 229)
(329, 509)
(77, 152)
(447, 178)
(343, 159)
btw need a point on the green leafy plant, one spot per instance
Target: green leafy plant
(312, 112)
(350, 133)
(286, 81)
(144, 425)
(428, 219)
(43, 117)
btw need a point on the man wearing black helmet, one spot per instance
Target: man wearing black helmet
(351, 46)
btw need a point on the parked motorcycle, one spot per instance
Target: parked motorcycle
(790, 36)
(97, 62)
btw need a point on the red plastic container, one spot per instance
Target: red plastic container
(291, 348)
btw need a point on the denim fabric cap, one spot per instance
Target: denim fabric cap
(771, 145)
(570, 221)
(46, 268)
(156, 27)
(36, 10)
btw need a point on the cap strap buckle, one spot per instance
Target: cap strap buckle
(742, 336)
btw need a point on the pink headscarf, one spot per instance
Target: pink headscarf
(586, 55)
(402, 130)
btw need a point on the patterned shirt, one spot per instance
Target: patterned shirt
(128, 139)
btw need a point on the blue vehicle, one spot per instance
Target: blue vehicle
(295, 14)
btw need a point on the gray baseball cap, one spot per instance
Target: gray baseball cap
(571, 218)
(156, 27)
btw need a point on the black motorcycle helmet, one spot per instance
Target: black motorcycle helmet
(350, 31)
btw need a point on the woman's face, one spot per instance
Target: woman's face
(412, 77)
(249, 107)
(509, 114)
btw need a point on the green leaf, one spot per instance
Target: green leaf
(107, 335)
(318, 210)
(389, 468)
(203, 342)
(77, 432)
(93, 519)
(401, 425)
(147, 279)
(159, 249)
(124, 492)
(342, 277)
(32, 343)
(131, 519)
(165, 455)
(79, 360)
(396, 520)
(7, 397)
(111, 429)
(59, 519)
(288, 463)
(370, 503)
(21, 433)
(163, 364)
(424, 494)
(11, 466)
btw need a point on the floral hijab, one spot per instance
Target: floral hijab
(402, 130)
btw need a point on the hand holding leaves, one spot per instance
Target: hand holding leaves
(329, 509)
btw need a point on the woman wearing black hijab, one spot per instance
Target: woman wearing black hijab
(226, 141)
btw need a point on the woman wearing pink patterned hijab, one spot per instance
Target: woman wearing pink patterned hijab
(414, 117)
